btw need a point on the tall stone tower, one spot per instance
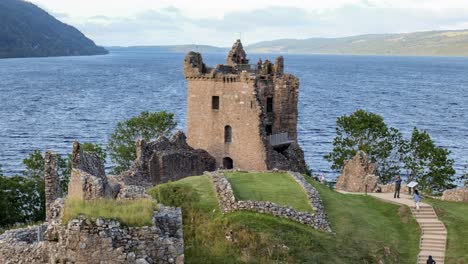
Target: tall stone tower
(244, 115)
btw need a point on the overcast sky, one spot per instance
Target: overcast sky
(167, 22)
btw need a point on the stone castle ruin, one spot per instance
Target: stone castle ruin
(240, 116)
(85, 240)
(244, 115)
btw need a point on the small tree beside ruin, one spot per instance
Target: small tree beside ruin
(366, 131)
(422, 160)
(146, 126)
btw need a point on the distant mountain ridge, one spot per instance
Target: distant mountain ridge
(429, 43)
(175, 48)
(28, 31)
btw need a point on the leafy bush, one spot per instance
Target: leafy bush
(177, 195)
(146, 126)
(367, 132)
(128, 212)
(424, 162)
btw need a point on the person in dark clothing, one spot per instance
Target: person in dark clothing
(397, 187)
(430, 260)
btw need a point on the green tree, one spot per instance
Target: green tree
(34, 164)
(428, 164)
(91, 147)
(464, 178)
(367, 132)
(146, 126)
(20, 202)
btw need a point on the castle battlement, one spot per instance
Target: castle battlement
(244, 115)
(237, 66)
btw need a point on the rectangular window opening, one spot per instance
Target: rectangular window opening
(269, 104)
(215, 103)
(269, 130)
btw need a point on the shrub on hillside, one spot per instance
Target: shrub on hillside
(146, 126)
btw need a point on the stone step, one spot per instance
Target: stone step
(433, 244)
(433, 249)
(424, 213)
(423, 258)
(434, 232)
(429, 221)
(433, 228)
(433, 238)
(424, 225)
(425, 217)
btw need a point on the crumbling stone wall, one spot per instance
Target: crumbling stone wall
(167, 160)
(237, 55)
(243, 92)
(228, 203)
(52, 182)
(289, 159)
(456, 195)
(83, 241)
(358, 175)
(88, 179)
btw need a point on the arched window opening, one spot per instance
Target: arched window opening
(228, 164)
(227, 134)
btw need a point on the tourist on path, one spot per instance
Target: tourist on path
(397, 187)
(430, 260)
(416, 199)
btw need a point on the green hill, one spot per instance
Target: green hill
(172, 48)
(367, 229)
(440, 43)
(28, 31)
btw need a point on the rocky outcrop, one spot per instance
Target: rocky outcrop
(358, 175)
(228, 203)
(102, 241)
(456, 195)
(167, 160)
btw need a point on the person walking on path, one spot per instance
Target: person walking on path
(416, 199)
(397, 187)
(430, 260)
(322, 179)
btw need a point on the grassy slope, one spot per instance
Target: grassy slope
(274, 187)
(455, 217)
(128, 212)
(363, 225)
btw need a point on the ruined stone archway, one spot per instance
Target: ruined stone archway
(228, 163)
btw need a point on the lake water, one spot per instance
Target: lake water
(47, 103)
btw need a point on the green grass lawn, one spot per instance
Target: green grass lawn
(279, 188)
(364, 227)
(128, 212)
(455, 217)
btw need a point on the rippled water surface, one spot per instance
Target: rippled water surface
(47, 103)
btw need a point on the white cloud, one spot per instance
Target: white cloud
(161, 22)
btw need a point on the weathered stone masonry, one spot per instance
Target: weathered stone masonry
(52, 184)
(245, 115)
(228, 203)
(83, 241)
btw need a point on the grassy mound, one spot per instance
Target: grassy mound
(367, 230)
(279, 188)
(455, 217)
(128, 212)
